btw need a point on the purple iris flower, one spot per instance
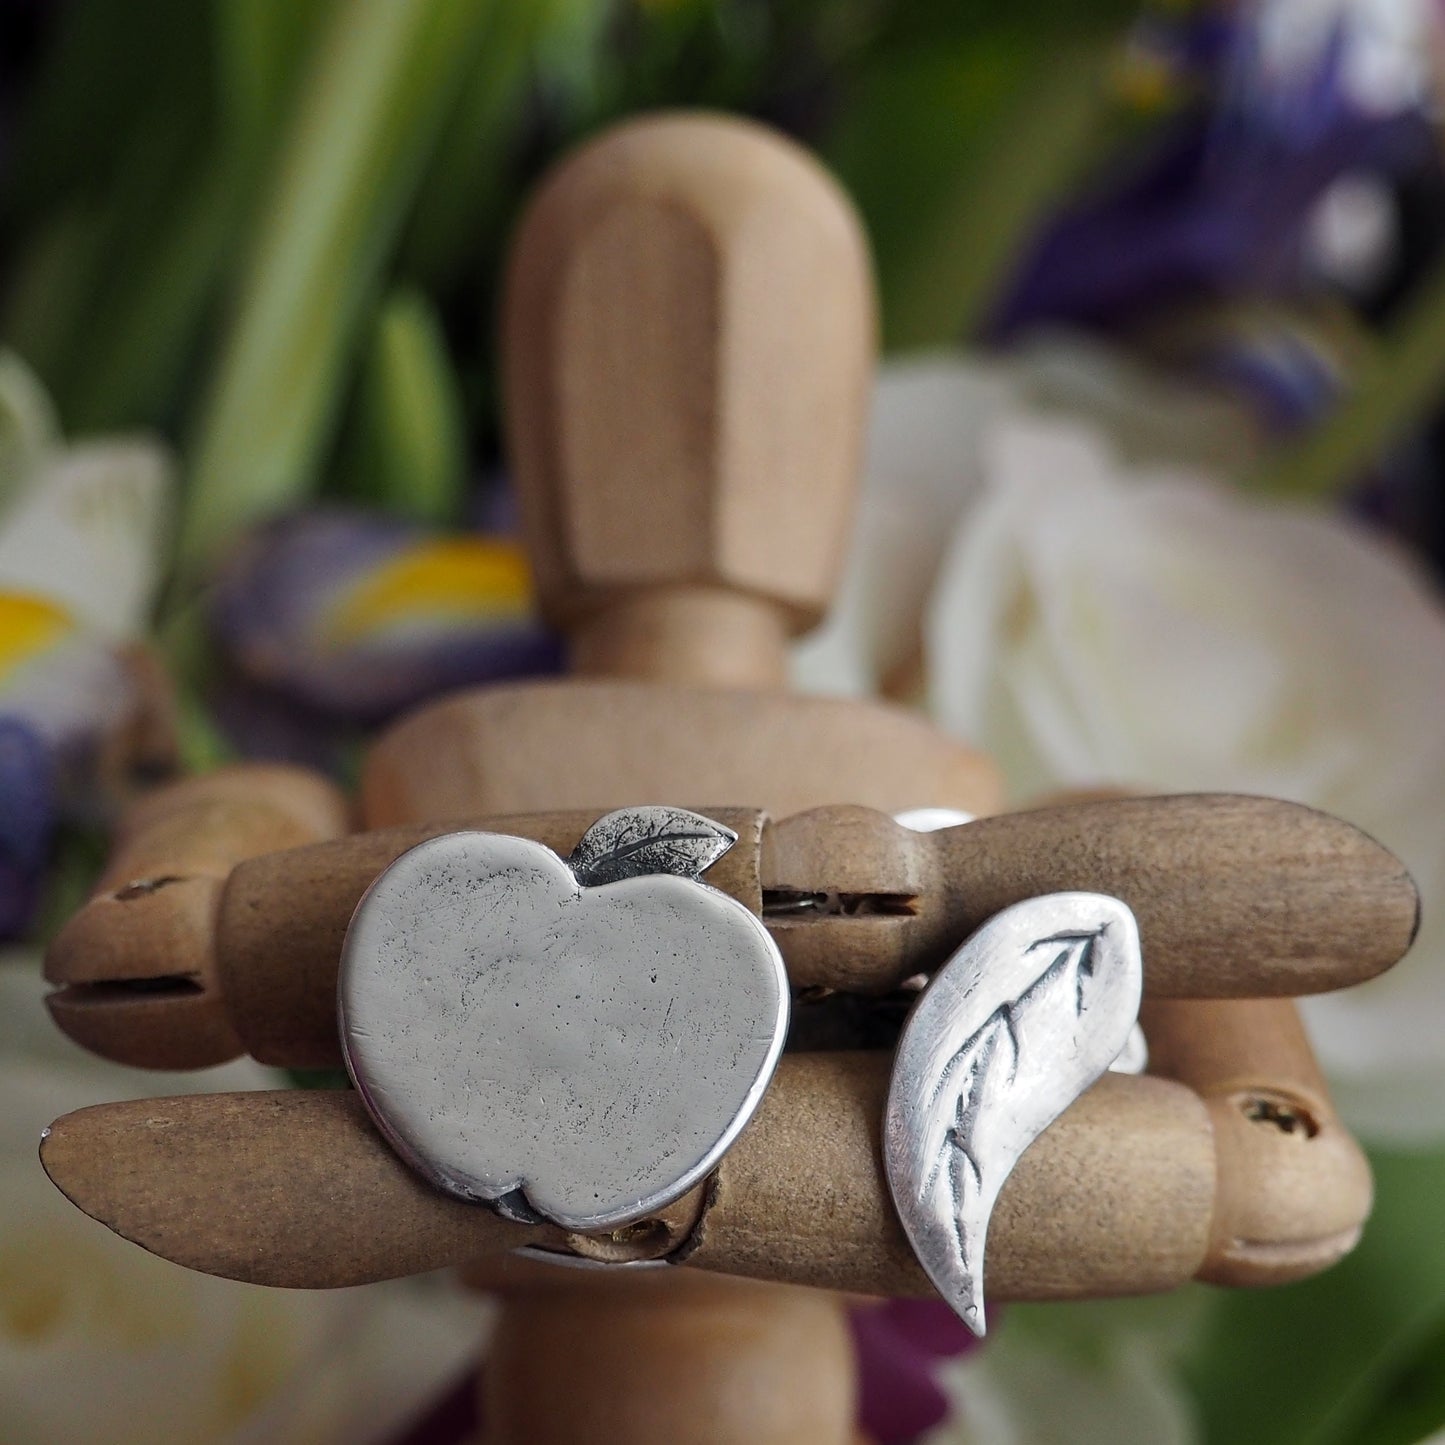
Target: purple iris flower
(27, 819)
(1216, 205)
(355, 616)
(900, 1344)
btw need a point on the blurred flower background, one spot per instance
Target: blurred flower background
(1153, 498)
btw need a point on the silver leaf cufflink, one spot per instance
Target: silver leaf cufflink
(1024, 1017)
(574, 1040)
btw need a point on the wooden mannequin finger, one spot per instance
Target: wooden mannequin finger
(1114, 1198)
(210, 822)
(293, 1188)
(1294, 1188)
(1235, 896)
(297, 1189)
(136, 965)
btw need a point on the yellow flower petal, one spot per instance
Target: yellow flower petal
(28, 626)
(455, 578)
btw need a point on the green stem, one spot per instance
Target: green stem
(405, 449)
(381, 81)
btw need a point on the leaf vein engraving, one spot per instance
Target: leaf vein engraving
(632, 842)
(1055, 1021)
(976, 1056)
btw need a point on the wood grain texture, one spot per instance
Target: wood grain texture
(293, 1188)
(700, 636)
(1246, 890)
(298, 1189)
(531, 747)
(687, 352)
(283, 916)
(1114, 1198)
(210, 822)
(1235, 896)
(669, 1357)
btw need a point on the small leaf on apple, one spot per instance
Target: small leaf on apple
(633, 842)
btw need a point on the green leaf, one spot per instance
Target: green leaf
(142, 326)
(319, 1078)
(378, 85)
(1412, 1406)
(1312, 1363)
(145, 323)
(407, 445)
(121, 119)
(107, 70)
(187, 648)
(77, 858)
(953, 153)
(54, 275)
(261, 49)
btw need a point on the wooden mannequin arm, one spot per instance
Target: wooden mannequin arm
(1234, 895)
(1119, 1196)
(297, 1189)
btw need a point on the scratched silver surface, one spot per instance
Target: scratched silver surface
(578, 1054)
(1024, 1017)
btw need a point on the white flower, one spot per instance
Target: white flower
(1384, 49)
(926, 459)
(102, 1342)
(86, 528)
(29, 425)
(1064, 1374)
(82, 532)
(1095, 620)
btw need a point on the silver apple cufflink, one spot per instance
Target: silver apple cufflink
(571, 1040)
(1031, 1011)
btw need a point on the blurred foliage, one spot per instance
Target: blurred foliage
(406, 447)
(943, 152)
(273, 230)
(1355, 1356)
(211, 207)
(957, 134)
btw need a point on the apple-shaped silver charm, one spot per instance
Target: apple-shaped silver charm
(572, 1040)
